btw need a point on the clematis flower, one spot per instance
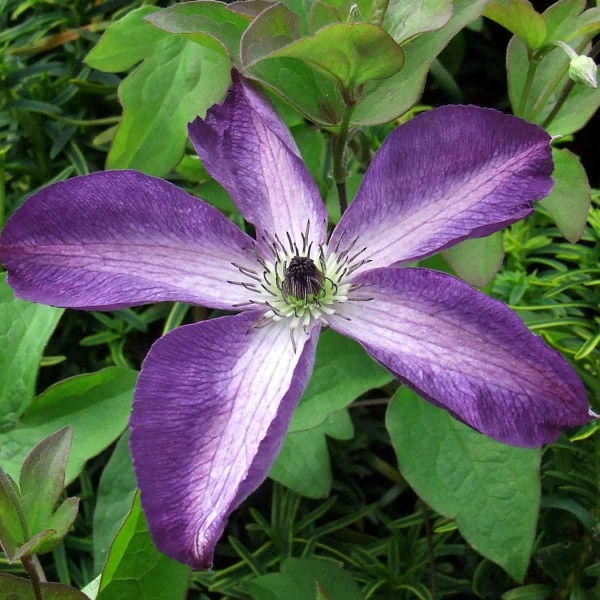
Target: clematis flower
(215, 398)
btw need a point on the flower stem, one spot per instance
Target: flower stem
(564, 95)
(340, 174)
(36, 573)
(533, 64)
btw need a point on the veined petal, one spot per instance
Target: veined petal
(467, 353)
(122, 238)
(247, 148)
(449, 174)
(212, 405)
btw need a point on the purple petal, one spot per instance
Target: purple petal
(467, 353)
(211, 409)
(452, 173)
(247, 148)
(122, 238)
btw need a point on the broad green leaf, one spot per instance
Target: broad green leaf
(491, 489)
(326, 12)
(520, 18)
(343, 372)
(207, 22)
(299, 578)
(303, 464)
(568, 20)
(477, 261)
(126, 42)
(386, 100)
(404, 19)
(25, 328)
(84, 402)
(18, 588)
(570, 200)
(546, 88)
(13, 527)
(43, 478)
(115, 495)
(136, 570)
(351, 53)
(179, 82)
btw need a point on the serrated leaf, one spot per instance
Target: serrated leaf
(179, 82)
(43, 477)
(83, 402)
(25, 328)
(17, 588)
(205, 21)
(520, 18)
(126, 42)
(136, 570)
(343, 372)
(477, 261)
(491, 489)
(303, 464)
(570, 200)
(116, 490)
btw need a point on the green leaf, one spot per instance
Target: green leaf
(386, 100)
(343, 372)
(32, 545)
(18, 588)
(303, 464)
(404, 19)
(136, 570)
(83, 402)
(179, 82)
(566, 21)
(43, 478)
(326, 12)
(25, 328)
(520, 18)
(13, 527)
(570, 200)
(299, 578)
(477, 261)
(116, 490)
(491, 489)
(207, 22)
(351, 53)
(126, 42)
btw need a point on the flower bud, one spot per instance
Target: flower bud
(583, 69)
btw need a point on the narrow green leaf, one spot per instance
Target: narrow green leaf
(25, 328)
(491, 489)
(136, 570)
(477, 261)
(83, 402)
(126, 42)
(570, 200)
(43, 477)
(179, 82)
(520, 18)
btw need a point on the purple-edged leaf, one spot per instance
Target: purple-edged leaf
(211, 409)
(43, 478)
(247, 148)
(570, 200)
(477, 261)
(62, 520)
(13, 527)
(251, 8)
(207, 22)
(31, 546)
(18, 588)
(466, 352)
(453, 173)
(122, 238)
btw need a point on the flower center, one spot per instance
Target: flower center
(302, 280)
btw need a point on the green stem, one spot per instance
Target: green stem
(430, 550)
(36, 574)
(340, 174)
(83, 123)
(533, 64)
